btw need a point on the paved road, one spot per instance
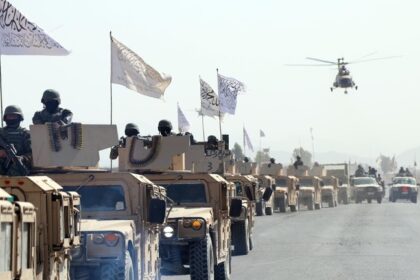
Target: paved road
(357, 241)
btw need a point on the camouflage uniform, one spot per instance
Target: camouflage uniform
(58, 114)
(20, 138)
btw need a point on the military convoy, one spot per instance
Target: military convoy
(329, 190)
(340, 171)
(403, 188)
(366, 188)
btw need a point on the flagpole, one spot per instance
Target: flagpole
(243, 139)
(218, 91)
(202, 125)
(1, 94)
(110, 91)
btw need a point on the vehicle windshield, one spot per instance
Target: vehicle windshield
(409, 181)
(364, 181)
(100, 197)
(182, 192)
(306, 182)
(239, 188)
(281, 182)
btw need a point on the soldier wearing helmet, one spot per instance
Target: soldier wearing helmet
(17, 136)
(131, 130)
(52, 112)
(165, 128)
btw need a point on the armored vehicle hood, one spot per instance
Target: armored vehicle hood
(190, 212)
(93, 225)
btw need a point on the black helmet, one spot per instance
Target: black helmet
(212, 139)
(246, 159)
(165, 127)
(49, 95)
(13, 110)
(272, 160)
(131, 129)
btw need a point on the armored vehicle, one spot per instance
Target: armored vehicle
(403, 188)
(340, 171)
(48, 240)
(197, 233)
(265, 197)
(310, 192)
(285, 193)
(122, 211)
(366, 188)
(17, 239)
(329, 190)
(199, 225)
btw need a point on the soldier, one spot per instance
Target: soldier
(131, 129)
(360, 171)
(165, 128)
(52, 112)
(19, 141)
(401, 172)
(408, 173)
(298, 162)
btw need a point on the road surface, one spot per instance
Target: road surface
(355, 241)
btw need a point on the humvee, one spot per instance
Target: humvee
(366, 188)
(198, 231)
(56, 226)
(285, 193)
(17, 238)
(329, 190)
(309, 187)
(122, 211)
(340, 171)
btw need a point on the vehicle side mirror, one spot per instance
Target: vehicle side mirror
(249, 193)
(235, 207)
(267, 194)
(157, 211)
(297, 187)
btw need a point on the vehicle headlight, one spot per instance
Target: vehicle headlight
(195, 224)
(109, 239)
(168, 231)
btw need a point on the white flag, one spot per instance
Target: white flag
(19, 36)
(247, 141)
(183, 123)
(209, 100)
(228, 93)
(131, 71)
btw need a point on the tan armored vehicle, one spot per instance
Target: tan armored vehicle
(18, 230)
(340, 171)
(56, 226)
(197, 233)
(121, 211)
(309, 187)
(264, 200)
(198, 228)
(329, 190)
(286, 193)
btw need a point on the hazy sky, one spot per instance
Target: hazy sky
(248, 40)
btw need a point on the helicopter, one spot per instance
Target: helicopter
(343, 79)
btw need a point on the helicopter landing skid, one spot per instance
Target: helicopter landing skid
(331, 89)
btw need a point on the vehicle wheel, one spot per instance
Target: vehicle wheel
(293, 208)
(311, 204)
(240, 238)
(414, 198)
(259, 208)
(331, 203)
(269, 211)
(201, 259)
(379, 200)
(346, 200)
(251, 243)
(282, 205)
(369, 200)
(317, 206)
(222, 270)
(390, 197)
(119, 271)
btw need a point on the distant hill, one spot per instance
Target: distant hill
(408, 157)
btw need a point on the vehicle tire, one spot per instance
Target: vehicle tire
(293, 208)
(251, 243)
(311, 204)
(379, 200)
(269, 211)
(369, 200)
(282, 205)
(331, 203)
(119, 270)
(240, 238)
(414, 198)
(202, 259)
(317, 206)
(222, 270)
(259, 208)
(390, 197)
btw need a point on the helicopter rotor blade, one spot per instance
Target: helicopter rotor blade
(366, 55)
(308, 65)
(322, 60)
(374, 59)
